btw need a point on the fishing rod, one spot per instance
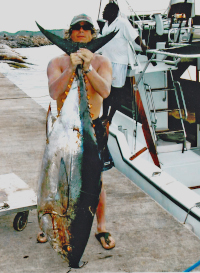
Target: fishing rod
(99, 8)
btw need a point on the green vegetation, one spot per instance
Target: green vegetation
(58, 32)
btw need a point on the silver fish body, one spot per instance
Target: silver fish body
(69, 184)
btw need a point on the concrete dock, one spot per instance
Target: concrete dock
(148, 239)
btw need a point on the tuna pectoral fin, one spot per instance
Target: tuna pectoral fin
(50, 119)
(63, 187)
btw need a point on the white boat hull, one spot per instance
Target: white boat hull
(171, 194)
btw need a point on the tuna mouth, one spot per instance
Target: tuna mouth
(53, 213)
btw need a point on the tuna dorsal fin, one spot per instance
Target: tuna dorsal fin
(50, 119)
(70, 47)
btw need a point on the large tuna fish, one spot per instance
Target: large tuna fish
(69, 184)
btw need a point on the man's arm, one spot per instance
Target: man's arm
(102, 78)
(58, 79)
(132, 35)
(138, 41)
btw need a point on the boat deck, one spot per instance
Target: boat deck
(177, 165)
(147, 237)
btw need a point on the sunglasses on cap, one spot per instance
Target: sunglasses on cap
(84, 27)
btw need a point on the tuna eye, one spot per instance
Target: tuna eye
(67, 248)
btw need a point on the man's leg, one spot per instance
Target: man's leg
(111, 101)
(101, 221)
(115, 102)
(106, 104)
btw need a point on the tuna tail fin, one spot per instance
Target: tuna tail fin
(69, 47)
(95, 44)
(50, 119)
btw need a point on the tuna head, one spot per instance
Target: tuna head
(69, 184)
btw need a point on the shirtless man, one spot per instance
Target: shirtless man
(98, 74)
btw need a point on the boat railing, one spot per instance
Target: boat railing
(178, 104)
(197, 205)
(151, 109)
(182, 34)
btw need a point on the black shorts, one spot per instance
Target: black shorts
(102, 140)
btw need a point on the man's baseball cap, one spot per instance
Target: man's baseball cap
(80, 18)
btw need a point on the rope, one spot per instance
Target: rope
(192, 267)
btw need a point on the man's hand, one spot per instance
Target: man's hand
(75, 60)
(86, 57)
(144, 47)
(138, 41)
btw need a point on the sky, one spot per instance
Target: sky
(21, 14)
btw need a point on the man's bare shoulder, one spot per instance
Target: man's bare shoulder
(100, 59)
(59, 60)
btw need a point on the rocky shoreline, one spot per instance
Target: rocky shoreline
(17, 41)
(10, 56)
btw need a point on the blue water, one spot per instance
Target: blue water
(33, 80)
